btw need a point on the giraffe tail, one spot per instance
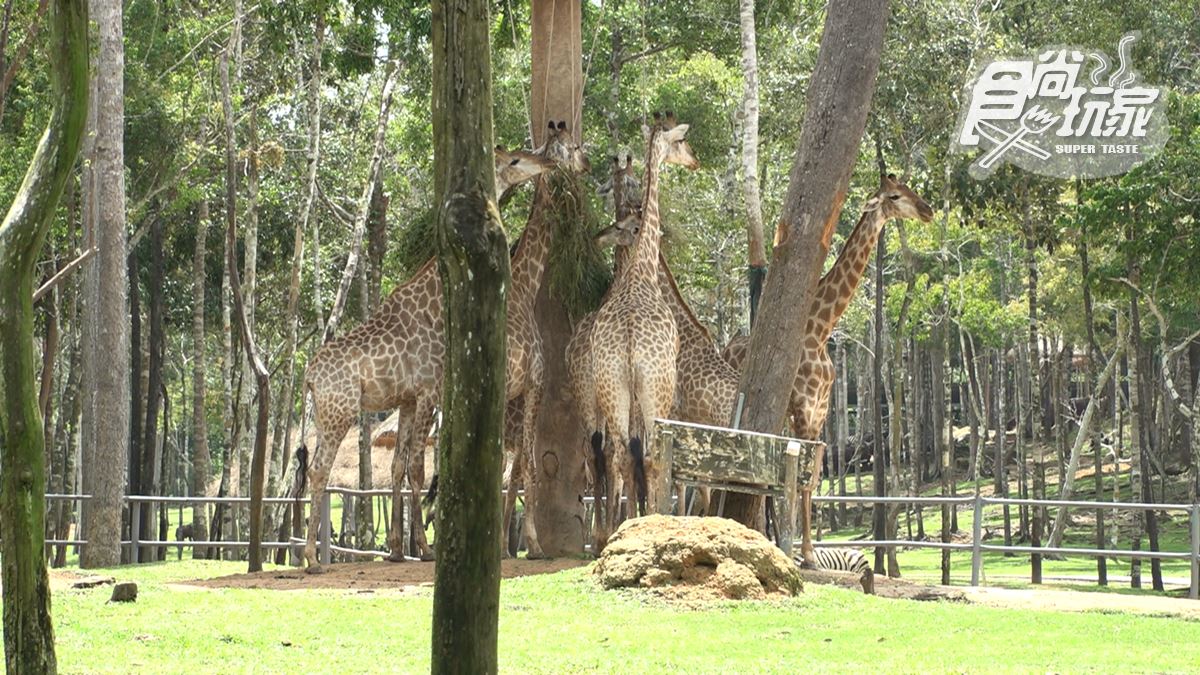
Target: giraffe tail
(301, 472)
(639, 472)
(598, 457)
(428, 499)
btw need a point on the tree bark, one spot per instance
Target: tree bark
(750, 188)
(149, 458)
(258, 463)
(279, 456)
(111, 413)
(557, 91)
(839, 98)
(362, 208)
(473, 263)
(200, 457)
(1084, 432)
(28, 631)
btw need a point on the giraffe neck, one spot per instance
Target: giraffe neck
(643, 261)
(424, 286)
(529, 262)
(837, 287)
(690, 328)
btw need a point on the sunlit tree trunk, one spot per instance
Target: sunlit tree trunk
(200, 457)
(111, 415)
(754, 219)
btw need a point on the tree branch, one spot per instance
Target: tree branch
(62, 274)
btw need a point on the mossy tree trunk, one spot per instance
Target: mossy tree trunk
(474, 267)
(28, 633)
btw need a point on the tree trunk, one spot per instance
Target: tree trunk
(754, 220)
(280, 454)
(473, 263)
(557, 91)
(1084, 432)
(28, 632)
(111, 414)
(839, 98)
(258, 463)
(200, 456)
(148, 484)
(362, 207)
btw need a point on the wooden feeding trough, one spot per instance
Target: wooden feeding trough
(739, 461)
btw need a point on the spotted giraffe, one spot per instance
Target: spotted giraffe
(810, 393)
(634, 340)
(391, 361)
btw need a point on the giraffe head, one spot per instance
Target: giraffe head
(623, 233)
(514, 167)
(670, 141)
(622, 185)
(561, 147)
(895, 200)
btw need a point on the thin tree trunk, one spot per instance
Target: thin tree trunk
(1083, 433)
(362, 207)
(258, 464)
(28, 631)
(111, 414)
(280, 454)
(473, 264)
(754, 220)
(153, 390)
(200, 453)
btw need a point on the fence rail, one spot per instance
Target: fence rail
(976, 546)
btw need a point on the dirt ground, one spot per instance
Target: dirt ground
(372, 575)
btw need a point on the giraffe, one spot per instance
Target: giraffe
(622, 235)
(810, 392)
(391, 361)
(634, 339)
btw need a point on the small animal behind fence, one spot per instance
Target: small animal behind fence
(844, 560)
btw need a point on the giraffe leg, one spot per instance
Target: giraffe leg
(318, 479)
(806, 545)
(599, 488)
(533, 401)
(395, 535)
(422, 423)
(515, 476)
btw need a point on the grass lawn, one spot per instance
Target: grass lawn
(562, 623)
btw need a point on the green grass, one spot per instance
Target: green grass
(562, 623)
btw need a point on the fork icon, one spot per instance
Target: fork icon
(1035, 120)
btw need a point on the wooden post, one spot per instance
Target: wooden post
(135, 531)
(666, 441)
(787, 519)
(1194, 593)
(977, 540)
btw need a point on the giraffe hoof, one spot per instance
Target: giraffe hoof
(536, 555)
(427, 557)
(806, 565)
(314, 569)
(395, 557)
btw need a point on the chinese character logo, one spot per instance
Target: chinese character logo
(1063, 113)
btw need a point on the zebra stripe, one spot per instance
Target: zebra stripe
(840, 560)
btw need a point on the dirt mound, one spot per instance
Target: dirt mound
(695, 558)
(372, 575)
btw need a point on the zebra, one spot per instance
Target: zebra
(844, 560)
